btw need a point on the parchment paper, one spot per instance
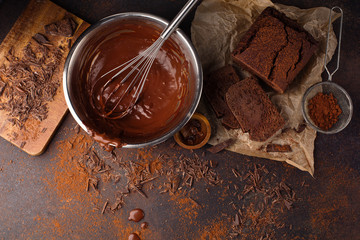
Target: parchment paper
(216, 29)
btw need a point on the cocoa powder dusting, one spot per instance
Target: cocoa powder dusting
(83, 170)
(324, 110)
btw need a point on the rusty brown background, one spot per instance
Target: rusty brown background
(328, 205)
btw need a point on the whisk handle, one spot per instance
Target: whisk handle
(178, 18)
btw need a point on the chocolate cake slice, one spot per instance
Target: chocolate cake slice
(253, 109)
(275, 49)
(215, 88)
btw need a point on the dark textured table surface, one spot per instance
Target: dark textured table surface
(44, 197)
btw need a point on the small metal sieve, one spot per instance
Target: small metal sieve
(327, 87)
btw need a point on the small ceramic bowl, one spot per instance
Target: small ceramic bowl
(195, 134)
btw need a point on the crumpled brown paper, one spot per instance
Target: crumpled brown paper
(216, 29)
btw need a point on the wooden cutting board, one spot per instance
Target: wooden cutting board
(35, 135)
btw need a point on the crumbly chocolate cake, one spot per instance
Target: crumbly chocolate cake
(215, 88)
(275, 49)
(253, 109)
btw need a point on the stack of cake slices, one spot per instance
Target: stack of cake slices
(275, 49)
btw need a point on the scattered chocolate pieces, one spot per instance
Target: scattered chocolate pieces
(278, 148)
(257, 217)
(29, 82)
(221, 146)
(65, 27)
(177, 174)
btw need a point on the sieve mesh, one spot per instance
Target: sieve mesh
(343, 99)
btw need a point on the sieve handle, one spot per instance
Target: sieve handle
(339, 44)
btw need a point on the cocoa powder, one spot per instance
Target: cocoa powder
(324, 110)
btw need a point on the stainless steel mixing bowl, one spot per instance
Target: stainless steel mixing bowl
(81, 48)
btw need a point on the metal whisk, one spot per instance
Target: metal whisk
(114, 106)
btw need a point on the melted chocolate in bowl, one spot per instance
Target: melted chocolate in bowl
(169, 92)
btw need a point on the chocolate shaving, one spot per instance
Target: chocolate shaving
(117, 204)
(236, 220)
(29, 83)
(22, 145)
(2, 87)
(259, 216)
(148, 180)
(195, 202)
(235, 172)
(221, 146)
(140, 191)
(77, 129)
(104, 207)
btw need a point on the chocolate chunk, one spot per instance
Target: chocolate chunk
(278, 148)
(41, 39)
(221, 146)
(65, 27)
(191, 133)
